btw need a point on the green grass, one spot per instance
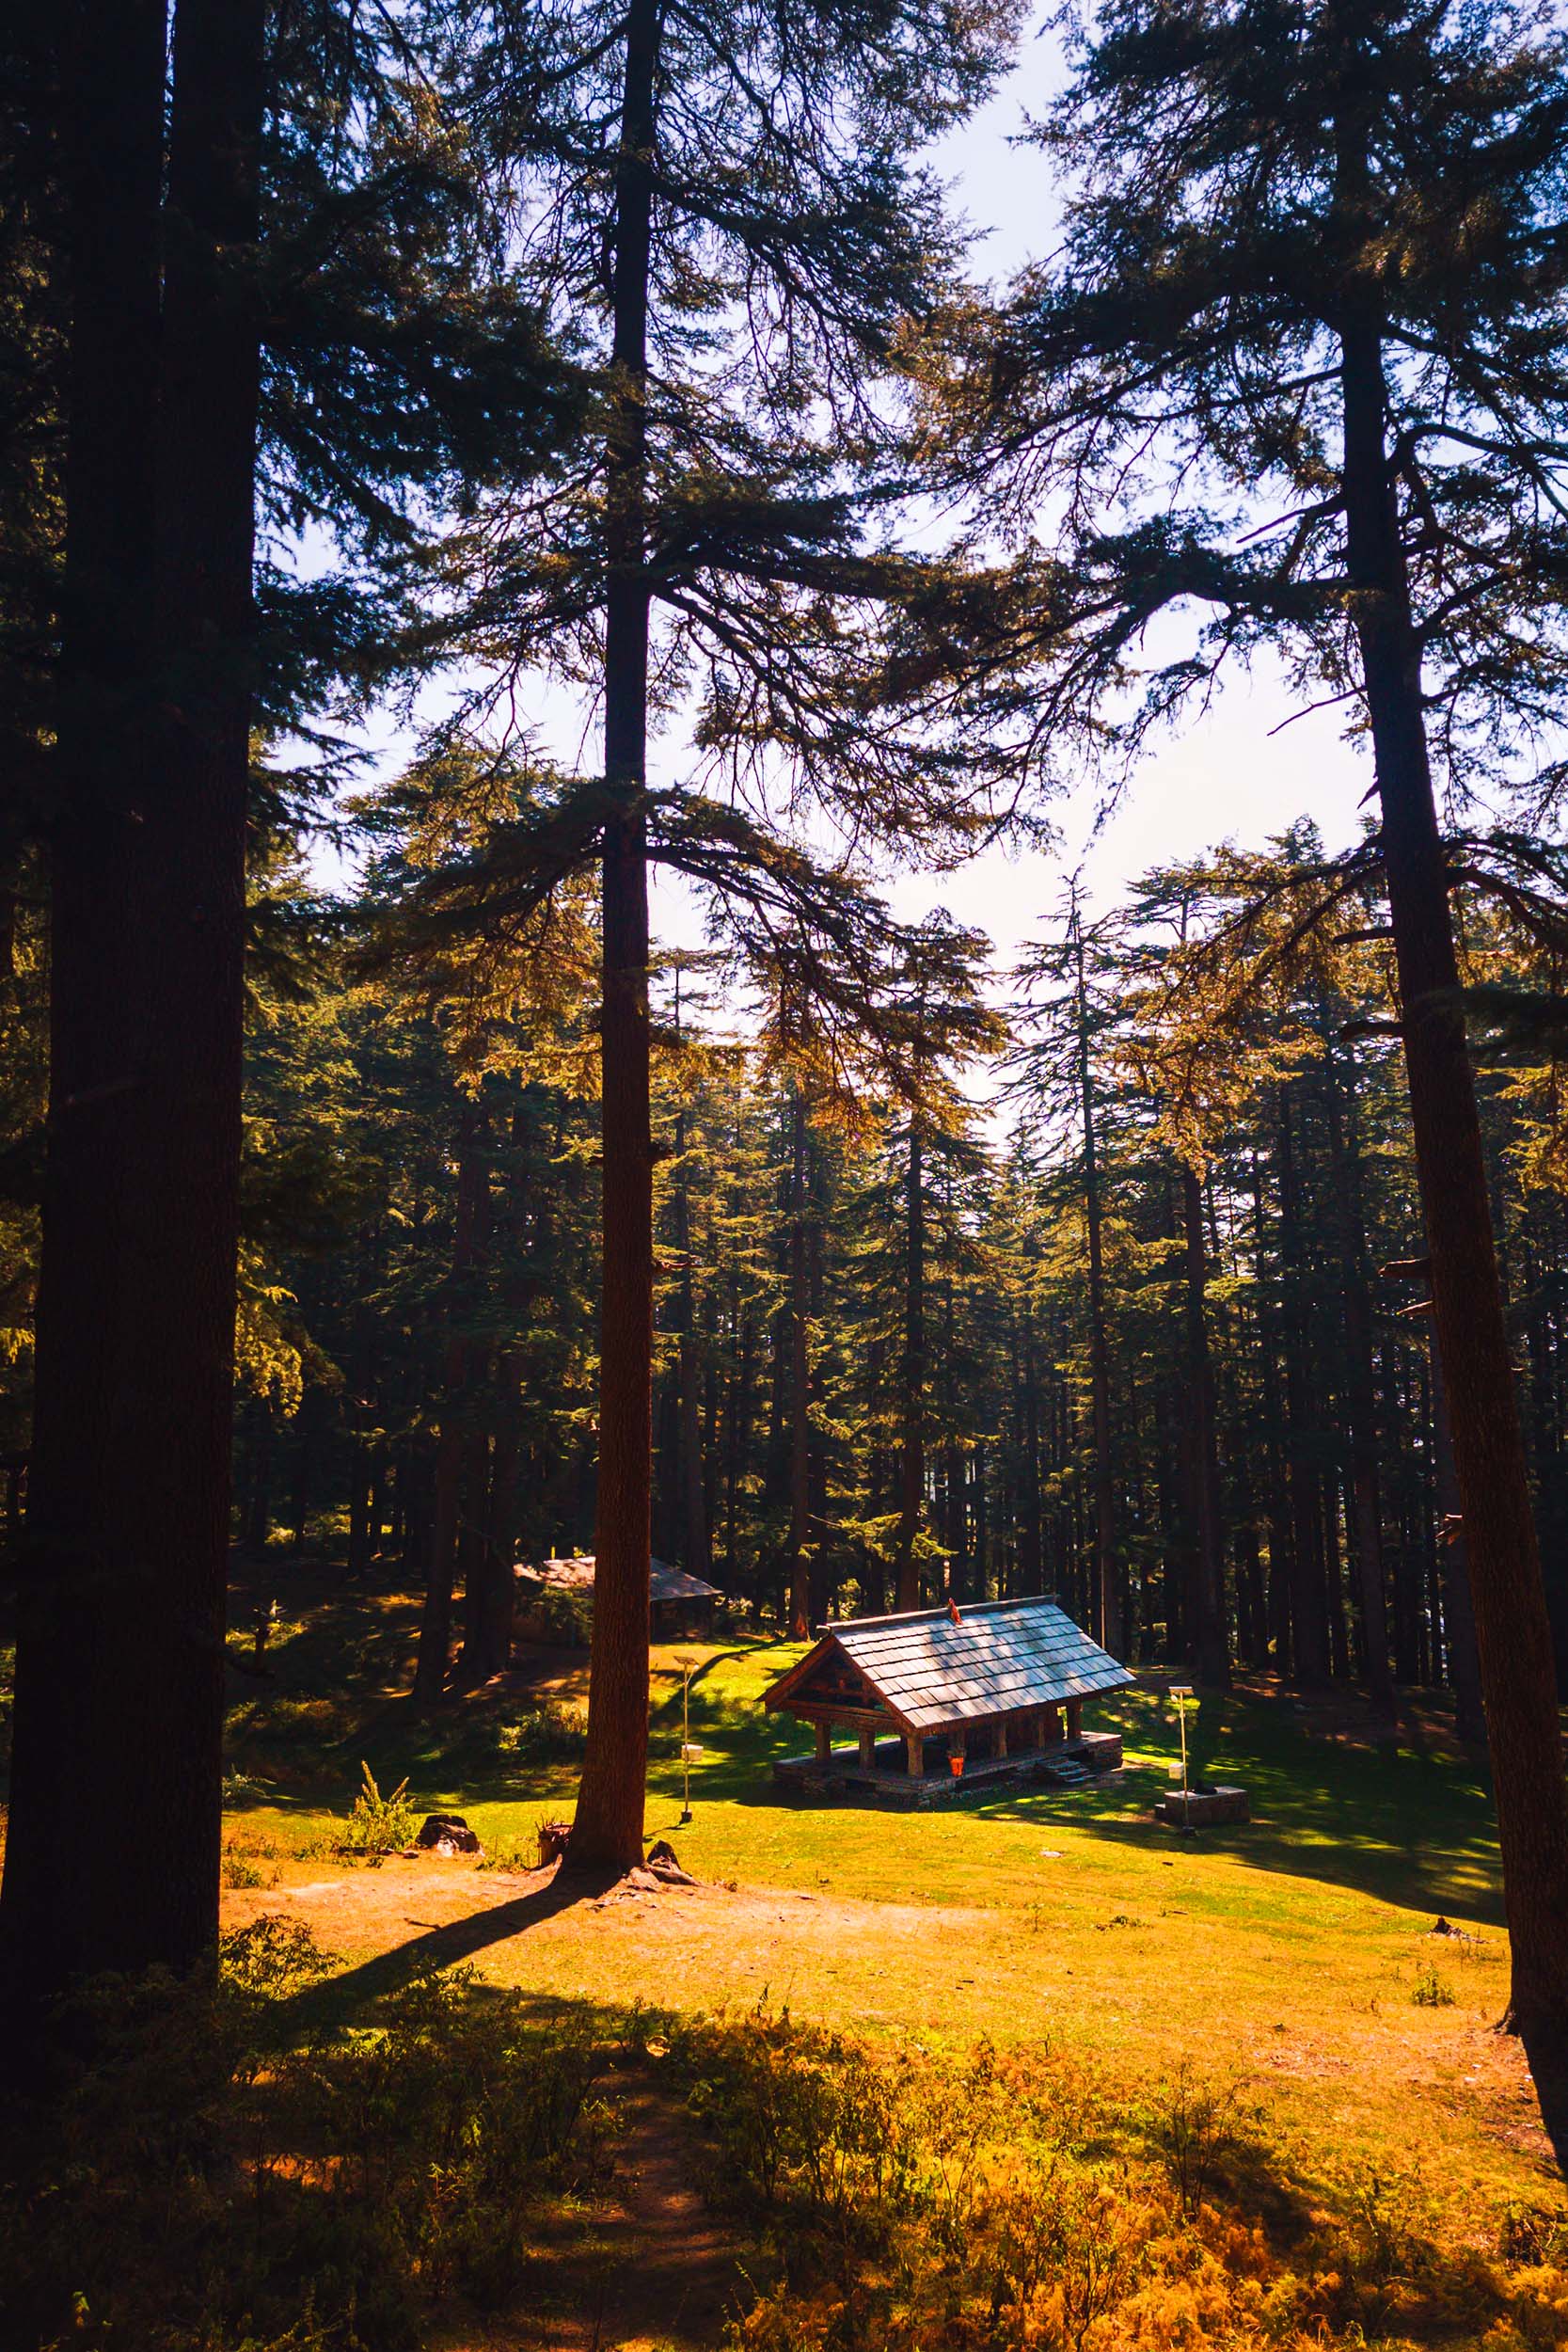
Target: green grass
(1288, 1953)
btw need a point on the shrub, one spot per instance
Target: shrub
(803, 2117)
(551, 1733)
(1430, 1991)
(1192, 2125)
(240, 1869)
(378, 1824)
(1060, 2251)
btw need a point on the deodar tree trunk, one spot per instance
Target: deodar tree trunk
(471, 1211)
(1513, 1632)
(1108, 1596)
(1360, 1381)
(1208, 1643)
(911, 1458)
(607, 1829)
(800, 1379)
(113, 1852)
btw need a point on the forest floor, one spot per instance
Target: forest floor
(1293, 1960)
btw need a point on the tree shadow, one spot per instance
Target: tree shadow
(1548, 2061)
(333, 2002)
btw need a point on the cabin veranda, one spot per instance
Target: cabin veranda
(919, 1705)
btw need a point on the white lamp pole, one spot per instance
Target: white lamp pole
(1181, 1692)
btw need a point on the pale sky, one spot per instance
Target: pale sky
(1227, 776)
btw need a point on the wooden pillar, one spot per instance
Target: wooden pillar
(1075, 1719)
(914, 1748)
(1052, 1726)
(824, 1744)
(868, 1749)
(999, 1737)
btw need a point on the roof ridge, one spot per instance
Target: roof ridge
(925, 1617)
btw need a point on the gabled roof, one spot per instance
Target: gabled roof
(669, 1584)
(929, 1672)
(576, 1575)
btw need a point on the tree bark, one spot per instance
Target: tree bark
(120, 1648)
(1108, 1624)
(435, 1652)
(911, 1379)
(800, 1379)
(1309, 1582)
(495, 1582)
(1459, 1618)
(696, 1551)
(607, 1829)
(1208, 1646)
(1360, 1384)
(1512, 1629)
(1030, 1541)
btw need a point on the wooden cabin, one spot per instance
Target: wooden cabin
(680, 1607)
(944, 1698)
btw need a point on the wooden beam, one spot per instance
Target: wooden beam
(809, 1711)
(914, 1750)
(824, 1744)
(868, 1749)
(1075, 1719)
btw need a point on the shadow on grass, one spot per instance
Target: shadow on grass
(1405, 1825)
(1404, 1822)
(337, 1999)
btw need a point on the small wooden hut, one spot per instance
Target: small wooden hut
(946, 1697)
(680, 1607)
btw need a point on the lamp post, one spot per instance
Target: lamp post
(688, 1667)
(1181, 1692)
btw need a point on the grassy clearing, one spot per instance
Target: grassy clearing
(1292, 1959)
(1028, 2074)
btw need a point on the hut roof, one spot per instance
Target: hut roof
(576, 1575)
(929, 1671)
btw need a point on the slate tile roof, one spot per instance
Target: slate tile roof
(664, 1582)
(928, 1671)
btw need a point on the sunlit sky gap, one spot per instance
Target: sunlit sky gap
(1242, 769)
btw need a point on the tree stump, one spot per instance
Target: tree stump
(554, 1839)
(447, 1834)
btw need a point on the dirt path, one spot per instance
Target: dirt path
(670, 2270)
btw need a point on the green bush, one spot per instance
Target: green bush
(553, 1732)
(564, 1620)
(378, 1824)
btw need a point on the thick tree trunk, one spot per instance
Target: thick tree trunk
(120, 1664)
(1512, 1629)
(607, 1830)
